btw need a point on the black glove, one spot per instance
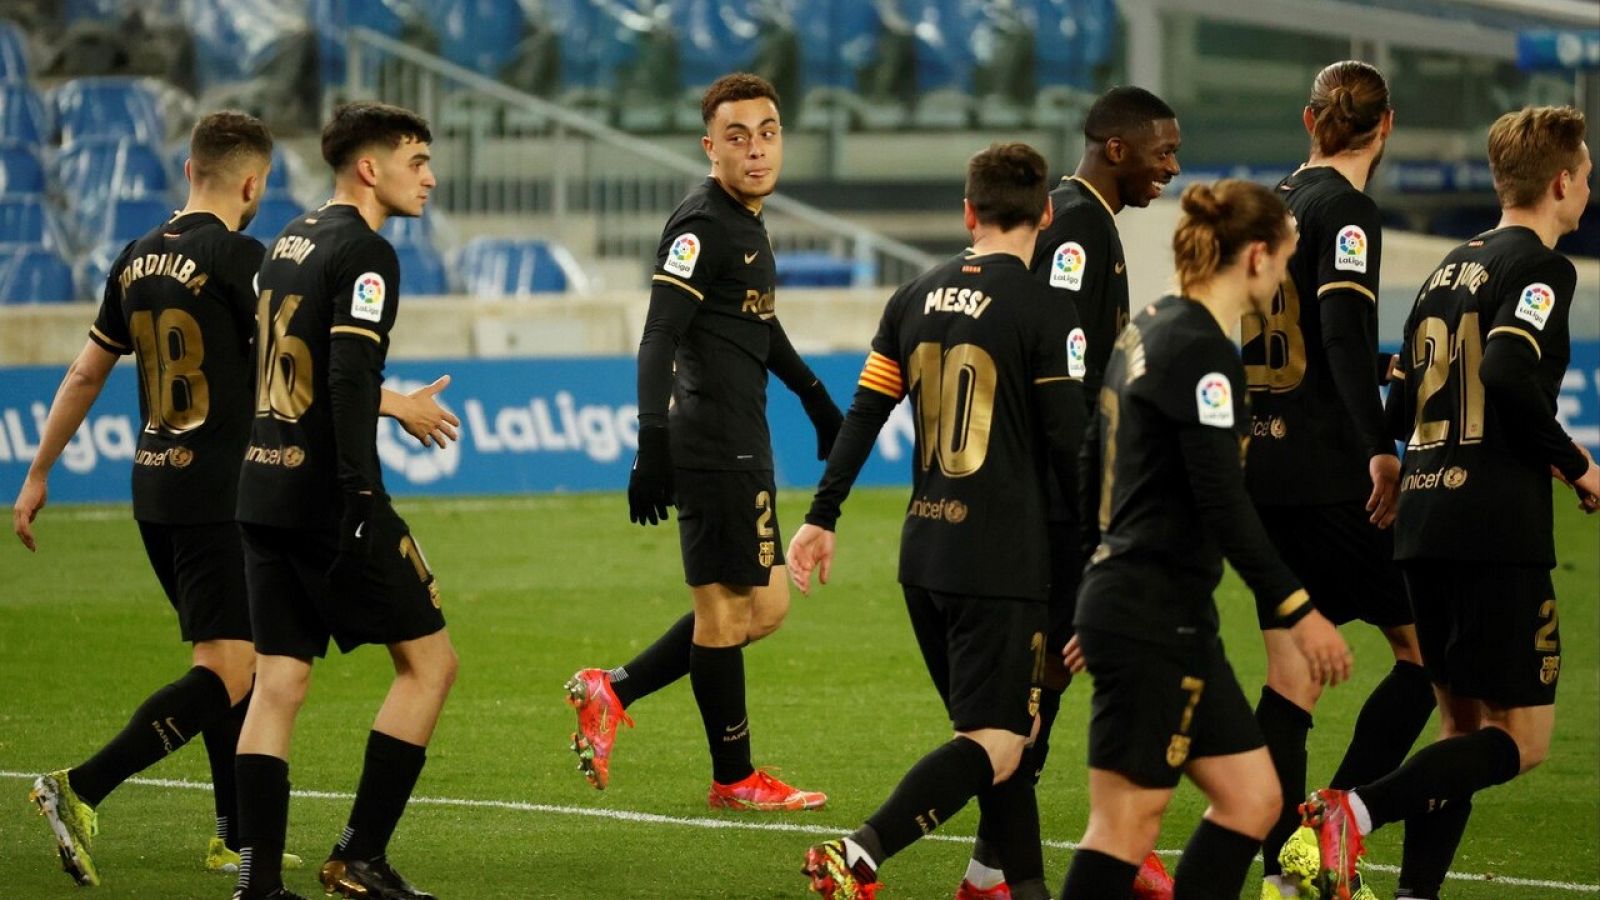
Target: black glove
(650, 483)
(824, 415)
(355, 524)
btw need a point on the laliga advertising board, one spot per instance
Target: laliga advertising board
(528, 426)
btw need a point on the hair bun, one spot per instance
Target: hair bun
(1342, 99)
(1201, 202)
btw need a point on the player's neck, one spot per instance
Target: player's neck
(229, 213)
(988, 240)
(1540, 221)
(751, 203)
(1224, 297)
(365, 202)
(1102, 182)
(1355, 167)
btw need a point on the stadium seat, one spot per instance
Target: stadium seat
(35, 275)
(26, 220)
(13, 52)
(333, 18)
(108, 108)
(95, 172)
(20, 170)
(714, 38)
(22, 115)
(510, 267)
(408, 230)
(813, 269)
(130, 218)
(945, 58)
(481, 35)
(422, 271)
(275, 215)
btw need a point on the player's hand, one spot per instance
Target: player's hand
(420, 414)
(29, 501)
(1072, 656)
(1588, 487)
(650, 483)
(1323, 647)
(811, 549)
(1385, 471)
(355, 524)
(825, 417)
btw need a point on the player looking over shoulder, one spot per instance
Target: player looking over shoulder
(1486, 347)
(711, 336)
(1167, 493)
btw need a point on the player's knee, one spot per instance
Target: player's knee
(1003, 748)
(1531, 751)
(438, 672)
(281, 691)
(1293, 681)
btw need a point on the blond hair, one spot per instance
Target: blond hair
(1529, 148)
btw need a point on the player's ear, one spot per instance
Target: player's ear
(1386, 126)
(367, 170)
(706, 145)
(1309, 119)
(1116, 151)
(252, 186)
(188, 170)
(1049, 213)
(969, 216)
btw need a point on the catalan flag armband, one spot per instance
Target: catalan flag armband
(882, 374)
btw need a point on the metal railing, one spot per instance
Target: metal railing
(602, 192)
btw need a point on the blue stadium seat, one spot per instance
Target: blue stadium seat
(20, 170)
(715, 37)
(333, 18)
(108, 108)
(278, 177)
(35, 275)
(128, 219)
(481, 35)
(22, 115)
(511, 267)
(94, 268)
(813, 269)
(583, 35)
(275, 215)
(13, 52)
(95, 172)
(408, 230)
(1073, 37)
(838, 38)
(26, 220)
(422, 271)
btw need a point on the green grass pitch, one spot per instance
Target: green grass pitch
(537, 587)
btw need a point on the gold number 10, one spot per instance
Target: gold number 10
(955, 405)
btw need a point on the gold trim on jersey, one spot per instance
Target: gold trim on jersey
(1292, 605)
(102, 336)
(882, 374)
(1361, 289)
(351, 329)
(1094, 192)
(1051, 378)
(668, 279)
(1512, 329)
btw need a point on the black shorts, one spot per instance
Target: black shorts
(1488, 633)
(728, 526)
(1345, 562)
(1157, 706)
(201, 567)
(298, 599)
(1066, 574)
(984, 654)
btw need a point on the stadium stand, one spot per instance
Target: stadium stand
(26, 220)
(115, 108)
(33, 274)
(22, 115)
(21, 172)
(276, 212)
(516, 267)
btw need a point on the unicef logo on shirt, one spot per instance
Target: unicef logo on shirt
(401, 453)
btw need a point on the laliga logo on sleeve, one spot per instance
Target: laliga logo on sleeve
(1214, 400)
(1077, 349)
(682, 256)
(367, 299)
(401, 453)
(1066, 269)
(1535, 305)
(1351, 255)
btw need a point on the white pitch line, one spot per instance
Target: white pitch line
(627, 815)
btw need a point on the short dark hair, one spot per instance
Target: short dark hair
(224, 139)
(1007, 186)
(731, 89)
(1122, 110)
(362, 124)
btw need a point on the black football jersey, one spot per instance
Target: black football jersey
(180, 299)
(1466, 493)
(327, 277)
(1079, 257)
(1305, 448)
(1153, 574)
(717, 251)
(967, 342)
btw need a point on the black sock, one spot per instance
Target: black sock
(1214, 864)
(1430, 848)
(659, 665)
(263, 821)
(1388, 725)
(1008, 825)
(1096, 876)
(222, 742)
(930, 793)
(1285, 726)
(388, 776)
(984, 849)
(717, 676)
(1449, 769)
(165, 721)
